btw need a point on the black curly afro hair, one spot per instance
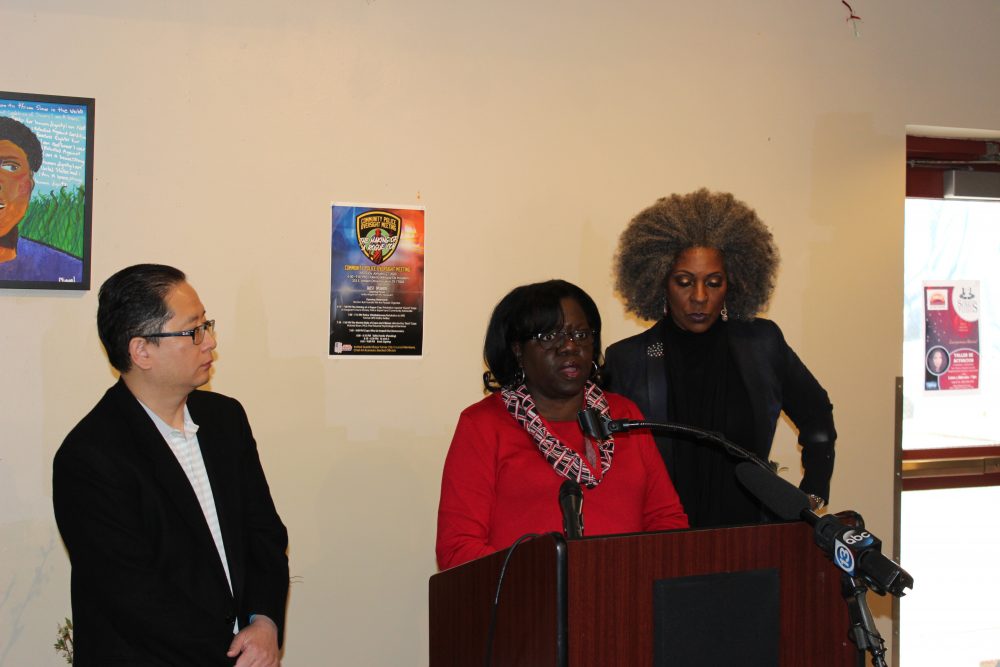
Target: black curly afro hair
(651, 243)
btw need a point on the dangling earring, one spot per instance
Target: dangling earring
(666, 307)
(596, 373)
(518, 377)
(725, 313)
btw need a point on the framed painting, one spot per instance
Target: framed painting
(46, 186)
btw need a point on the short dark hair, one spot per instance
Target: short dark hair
(651, 243)
(524, 312)
(22, 136)
(132, 303)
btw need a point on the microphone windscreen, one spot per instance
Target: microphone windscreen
(590, 423)
(777, 494)
(570, 488)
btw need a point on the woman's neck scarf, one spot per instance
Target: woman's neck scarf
(563, 459)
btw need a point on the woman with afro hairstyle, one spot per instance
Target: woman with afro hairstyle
(703, 265)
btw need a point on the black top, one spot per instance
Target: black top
(709, 394)
(736, 379)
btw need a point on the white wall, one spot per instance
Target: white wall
(532, 132)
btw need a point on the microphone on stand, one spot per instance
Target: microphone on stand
(601, 427)
(571, 504)
(851, 547)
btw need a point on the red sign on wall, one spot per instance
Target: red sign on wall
(951, 335)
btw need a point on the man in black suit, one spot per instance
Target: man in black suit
(177, 551)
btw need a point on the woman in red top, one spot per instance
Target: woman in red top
(514, 449)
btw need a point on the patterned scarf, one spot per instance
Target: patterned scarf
(563, 460)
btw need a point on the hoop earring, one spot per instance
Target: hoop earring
(518, 377)
(595, 374)
(725, 313)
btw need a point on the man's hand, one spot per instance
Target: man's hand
(257, 644)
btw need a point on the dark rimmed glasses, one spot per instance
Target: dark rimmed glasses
(552, 340)
(197, 334)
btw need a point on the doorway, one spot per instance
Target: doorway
(949, 529)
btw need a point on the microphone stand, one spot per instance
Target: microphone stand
(863, 632)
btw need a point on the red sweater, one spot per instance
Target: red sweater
(496, 486)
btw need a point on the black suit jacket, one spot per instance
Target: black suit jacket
(776, 380)
(148, 586)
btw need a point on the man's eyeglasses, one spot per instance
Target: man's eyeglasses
(552, 340)
(197, 334)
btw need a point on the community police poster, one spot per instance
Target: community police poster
(951, 335)
(376, 280)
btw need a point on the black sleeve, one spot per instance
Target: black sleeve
(808, 406)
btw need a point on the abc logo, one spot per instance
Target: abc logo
(857, 539)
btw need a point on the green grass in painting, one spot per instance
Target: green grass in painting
(56, 219)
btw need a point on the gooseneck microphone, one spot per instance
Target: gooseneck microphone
(600, 427)
(571, 504)
(851, 547)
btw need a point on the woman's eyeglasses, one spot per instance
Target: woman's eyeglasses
(551, 340)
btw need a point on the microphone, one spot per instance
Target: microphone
(782, 498)
(852, 548)
(594, 424)
(571, 504)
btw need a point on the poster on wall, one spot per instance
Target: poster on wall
(951, 335)
(377, 281)
(46, 185)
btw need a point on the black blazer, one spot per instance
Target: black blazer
(148, 587)
(776, 380)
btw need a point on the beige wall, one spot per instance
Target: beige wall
(531, 131)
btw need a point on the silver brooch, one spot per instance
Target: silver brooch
(655, 350)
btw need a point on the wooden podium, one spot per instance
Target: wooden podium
(590, 602)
